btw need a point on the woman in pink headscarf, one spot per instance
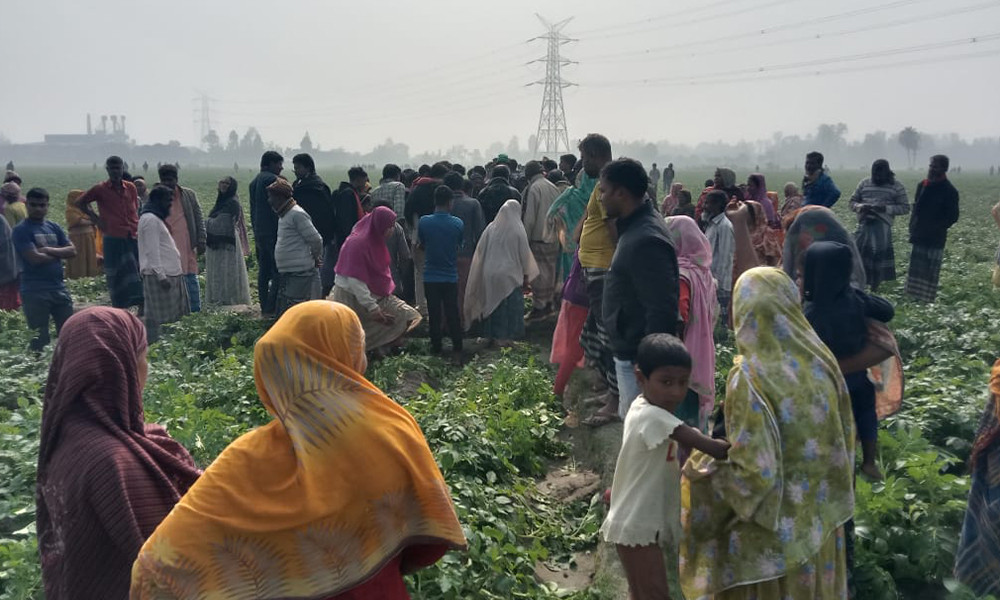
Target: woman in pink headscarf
(364, 282)
(671, 200)
(698, 308)
(757, 191)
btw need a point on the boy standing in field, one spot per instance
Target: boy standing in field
(644, 518)
(41, 245)
(440, 235)
(298, 252)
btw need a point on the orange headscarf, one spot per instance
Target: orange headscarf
(315, 502)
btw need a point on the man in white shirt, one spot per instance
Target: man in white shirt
(720, 235)
(163, 280)
(542, 238)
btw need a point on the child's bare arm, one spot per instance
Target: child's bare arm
(689, 436)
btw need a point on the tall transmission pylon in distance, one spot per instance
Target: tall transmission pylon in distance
(552, 136)
(203, 116)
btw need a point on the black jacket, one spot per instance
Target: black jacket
(313, 195)
(642, 288)
(935, 210)
(420, 200)
(496, 192)
(345, 204)
(263, 219)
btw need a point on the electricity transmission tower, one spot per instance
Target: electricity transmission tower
(203, 116)
(552, 136)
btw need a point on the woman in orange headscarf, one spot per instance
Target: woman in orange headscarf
(337, 497)
(83, 234)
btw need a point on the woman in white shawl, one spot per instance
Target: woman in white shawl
(501, 269)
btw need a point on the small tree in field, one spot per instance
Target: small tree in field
(909, 138)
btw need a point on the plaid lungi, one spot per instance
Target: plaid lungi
(121, 268)
(594, 338)
(925, 271)
(165, 305)
(874, 240)
(295, 288)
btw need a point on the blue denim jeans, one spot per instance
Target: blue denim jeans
(194, 293)
(628, 386)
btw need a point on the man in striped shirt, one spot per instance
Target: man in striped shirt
(391, 189)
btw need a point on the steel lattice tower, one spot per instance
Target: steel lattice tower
(552, 136)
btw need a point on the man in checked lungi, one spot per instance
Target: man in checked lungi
(935, 210)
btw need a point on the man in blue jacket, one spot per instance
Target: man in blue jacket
(817, 187)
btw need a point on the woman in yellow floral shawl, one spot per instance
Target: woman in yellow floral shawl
(339, 491)
(767, 522)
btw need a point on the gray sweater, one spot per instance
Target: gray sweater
(299, 244)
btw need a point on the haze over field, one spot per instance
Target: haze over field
(441, 73)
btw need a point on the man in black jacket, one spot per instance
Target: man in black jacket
(496, 192)
(641, 289)
(264, 222)
(313, 195)
(935, 210)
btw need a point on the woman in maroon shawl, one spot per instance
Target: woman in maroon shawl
(105, 478)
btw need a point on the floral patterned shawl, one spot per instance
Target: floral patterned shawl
(788, 482)
(766, 241)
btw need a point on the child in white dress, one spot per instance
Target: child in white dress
(645, 497)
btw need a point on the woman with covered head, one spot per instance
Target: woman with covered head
(671, 200)
(83, 233)
(501, 269)
(813, 224)
(765, 239)
(878, 200)
(699, 309)
(14, 207)
(226, 280)
(792, 202)
(724, 180)
(768, 522)
(757, 192)
(337, 497)
(106, 478)
(364, 281)
(977, 560)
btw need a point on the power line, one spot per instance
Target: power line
(648, 20)
(808, 63)
(686, 48)
(700, 20)
(911, 62)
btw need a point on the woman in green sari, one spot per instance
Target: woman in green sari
(768, 521)
(565, 214)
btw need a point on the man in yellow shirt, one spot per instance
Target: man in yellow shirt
(597, 237)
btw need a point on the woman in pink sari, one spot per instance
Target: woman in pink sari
(698, 308)
(671, 200)
(364, 282)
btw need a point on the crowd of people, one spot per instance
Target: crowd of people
(754, 492)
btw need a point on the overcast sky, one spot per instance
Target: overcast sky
(436, 73)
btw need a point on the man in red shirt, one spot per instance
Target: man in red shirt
(118, 203)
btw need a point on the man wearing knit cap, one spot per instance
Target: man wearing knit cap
(298, 251)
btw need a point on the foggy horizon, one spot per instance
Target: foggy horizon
(446, 73)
